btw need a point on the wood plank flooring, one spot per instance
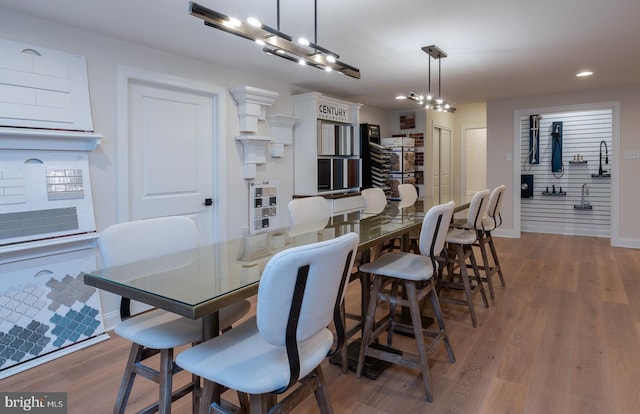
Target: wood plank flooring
(562, 337)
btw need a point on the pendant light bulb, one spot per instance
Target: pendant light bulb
(233, 22)
(254, 22)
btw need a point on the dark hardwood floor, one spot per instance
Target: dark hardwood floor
(562, 337)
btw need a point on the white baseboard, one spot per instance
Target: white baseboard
(506, 233)
(632, 243)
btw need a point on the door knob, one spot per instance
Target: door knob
(208, 202)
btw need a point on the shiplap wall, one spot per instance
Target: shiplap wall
(582, 133)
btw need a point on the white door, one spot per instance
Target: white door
(475, 160)
(170, 154)
(441, 164)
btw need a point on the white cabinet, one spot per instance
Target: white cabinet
(326, 146)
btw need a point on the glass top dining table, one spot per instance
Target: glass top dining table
(197, 283)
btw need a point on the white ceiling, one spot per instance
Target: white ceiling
(496, 48)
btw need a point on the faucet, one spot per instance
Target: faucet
(606, 160)
(585, 191)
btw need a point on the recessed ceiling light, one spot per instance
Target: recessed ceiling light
(583, 74)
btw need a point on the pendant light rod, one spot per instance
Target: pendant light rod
(429, 78)
(439, 79)
(315, 44)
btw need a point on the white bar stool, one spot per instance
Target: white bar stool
(415, 273)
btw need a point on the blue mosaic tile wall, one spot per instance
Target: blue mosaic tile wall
(38, 319)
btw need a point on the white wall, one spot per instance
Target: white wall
(103, 57)
(375, 116)
(500, 147)
(104, 54)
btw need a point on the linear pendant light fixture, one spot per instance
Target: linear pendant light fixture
(276, 43)
(429, 102)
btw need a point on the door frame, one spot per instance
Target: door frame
(127, 75)
(463, 155)
(615, 167)
(433, 154)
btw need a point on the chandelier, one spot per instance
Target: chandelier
(276, 43)
(429, 102)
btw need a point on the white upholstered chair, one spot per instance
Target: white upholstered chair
(284, 344)
(375, 200)
(309, 210)
(491, 221)
(312, 214)
(408, 196)
(460, 241)
(415, 272)
(156, 331)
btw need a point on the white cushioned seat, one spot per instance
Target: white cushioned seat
(230, 359)
(400, 264)
(159, 329)
(461, 236)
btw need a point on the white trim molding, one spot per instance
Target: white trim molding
(127, 75)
